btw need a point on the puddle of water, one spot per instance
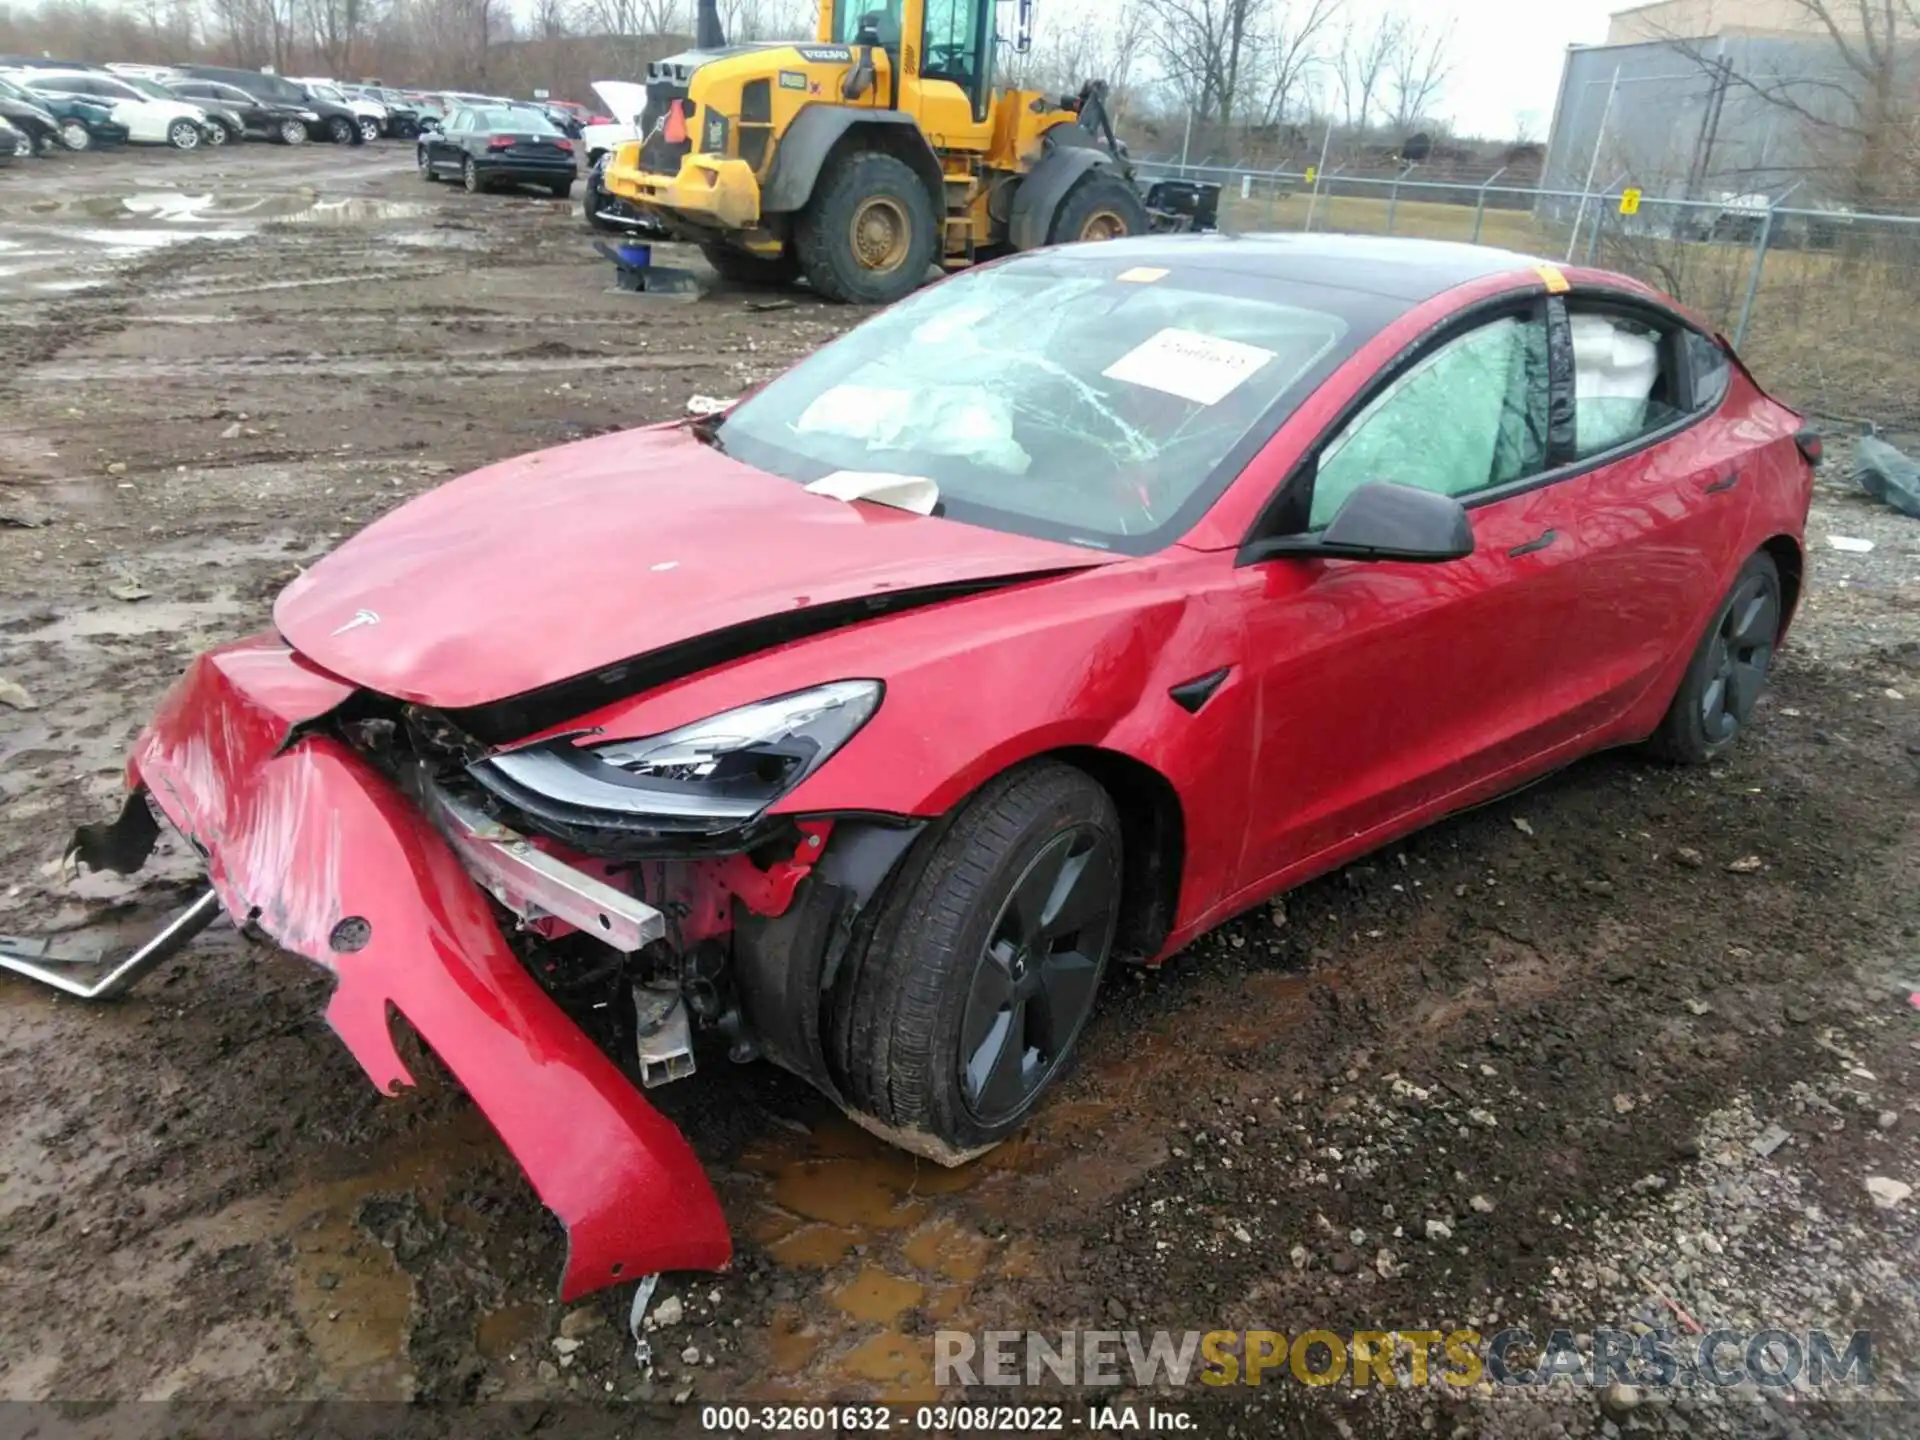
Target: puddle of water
(139, 617)
(351, 1298)
(876, 1296)
(943, 1247)
(181, 207)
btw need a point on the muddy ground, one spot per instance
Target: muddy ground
(1519, 1070)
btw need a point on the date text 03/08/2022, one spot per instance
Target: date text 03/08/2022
(945, 1419)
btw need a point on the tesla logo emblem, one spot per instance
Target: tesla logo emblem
(360, 617)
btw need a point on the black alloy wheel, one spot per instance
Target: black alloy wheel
(1034, 981)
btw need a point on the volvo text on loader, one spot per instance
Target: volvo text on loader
(878, 150)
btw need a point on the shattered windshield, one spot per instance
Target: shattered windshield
(1069, 398)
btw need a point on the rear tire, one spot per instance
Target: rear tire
(868, 234)
(426, 167)
(561, 189)
(989, 944)
(1101, 206)
(341, 131)
(470, 177)
(217, 134)
(183, 135)
(739, 268)
(369, 129)
(1728, 672)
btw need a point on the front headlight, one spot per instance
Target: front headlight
(715, 774)
(310, 116)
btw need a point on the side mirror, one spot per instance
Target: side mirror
(1383, 521)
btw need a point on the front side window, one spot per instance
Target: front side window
(1468, 417)
(950, 49)
(1058, 395)
(1623, 384)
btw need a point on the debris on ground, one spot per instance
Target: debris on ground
(15, 694)
(707, 404)
(1887, 1193)
(1887, 475)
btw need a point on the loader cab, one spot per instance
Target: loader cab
(941, 49)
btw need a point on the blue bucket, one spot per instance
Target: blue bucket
(638, 256)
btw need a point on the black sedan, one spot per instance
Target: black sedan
(258, 119)
(37, 132)
(487, 146)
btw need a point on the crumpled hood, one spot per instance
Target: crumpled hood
(559, 563)
(624, 99)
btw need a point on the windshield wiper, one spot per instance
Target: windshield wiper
(706, 429)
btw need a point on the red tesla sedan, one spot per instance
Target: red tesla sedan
(1045, 620)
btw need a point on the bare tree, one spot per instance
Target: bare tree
(1418, 62)
(1208, 51)
(1366, 45)
(1290, 49)
(337, 28)
(1862, 115)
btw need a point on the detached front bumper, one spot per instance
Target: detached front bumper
(310, 844)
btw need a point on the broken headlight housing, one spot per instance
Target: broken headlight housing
(714, 775)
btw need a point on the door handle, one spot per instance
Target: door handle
(1539, 542)
(1725, 482)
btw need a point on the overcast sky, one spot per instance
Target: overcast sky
(1507, 56)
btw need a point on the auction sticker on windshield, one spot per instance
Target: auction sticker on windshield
(1196, 367)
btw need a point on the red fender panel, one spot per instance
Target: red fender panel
(321, 852)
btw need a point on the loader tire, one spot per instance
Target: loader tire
(869, 233)
(739, 268)
(1101, 206)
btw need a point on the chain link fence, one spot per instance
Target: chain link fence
(1811, 297)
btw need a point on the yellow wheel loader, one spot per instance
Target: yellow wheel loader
(861, 159)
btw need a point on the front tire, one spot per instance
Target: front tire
(426, 166)
(963, 1008)
(1728, 672)
(217, 134)
(74, 135)
(740, 268)
(183, 135)
(1101, 206)
(868, 234)
(341, 131)
(369, 129)
(293, 132)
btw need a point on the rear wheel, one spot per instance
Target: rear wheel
(426, 165)
(183, 135)
(964, 1007)
(1101, 206)
(1729, 669)
(340, 130)
(561, 189)
(740, 268)
(217, 134)
(868, 233)
(74, 135)
(470, 177)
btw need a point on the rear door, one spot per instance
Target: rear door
(1389, 690)
(1667, 481)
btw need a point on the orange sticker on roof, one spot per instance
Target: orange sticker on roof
(1556, 283)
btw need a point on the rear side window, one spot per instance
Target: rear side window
(1623, 380)
(1712, 370)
